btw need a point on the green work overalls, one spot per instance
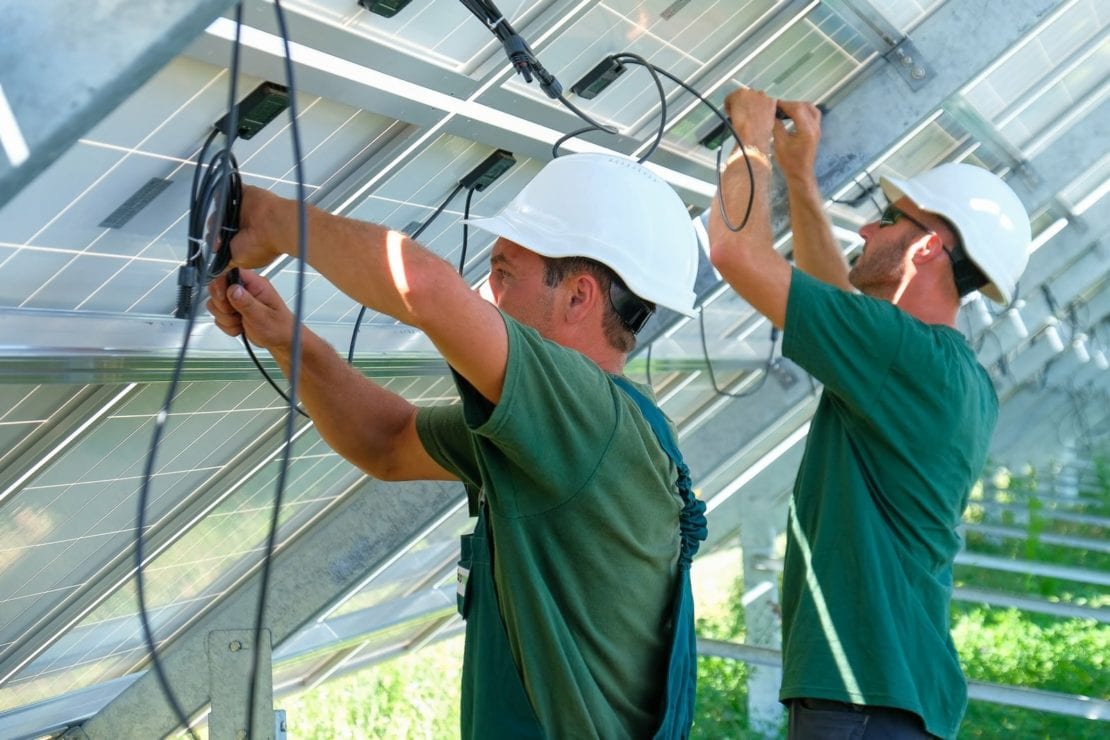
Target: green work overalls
(498, 706)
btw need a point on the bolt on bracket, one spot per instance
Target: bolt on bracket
(909, 63)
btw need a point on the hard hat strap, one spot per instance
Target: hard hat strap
(967, 274)
(633, 310)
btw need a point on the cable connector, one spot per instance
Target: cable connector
(491, 168)
(548, 83)
(186, 289)
(524, 61)
(597, 79)
(520, 55)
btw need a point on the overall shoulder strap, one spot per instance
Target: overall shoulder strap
(692, 519)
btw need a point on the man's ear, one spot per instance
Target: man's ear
(583, 294)
(928, 248)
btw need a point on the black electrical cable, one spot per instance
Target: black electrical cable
(631, 58)
(223, 166)
(466, 230)
(269, 378)
(866, 193)
(709, 365)
(295, 362)
(220, 184)
(525, 62)
(188, 311)
(740, 144)
(751, 188)
(420, 230)
(594, 126)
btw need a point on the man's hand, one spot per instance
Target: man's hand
(796, 150)
(264, 232)
(752, 113)
(253, 307)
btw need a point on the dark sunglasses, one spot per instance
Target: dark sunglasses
(891, 215)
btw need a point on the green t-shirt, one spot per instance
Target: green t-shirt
(584, 518)
(899, 437)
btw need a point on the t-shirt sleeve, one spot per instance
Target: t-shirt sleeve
(848, 341)
(445, 438)
(549, 432)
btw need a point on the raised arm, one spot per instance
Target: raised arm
(388, 272)
(366, 424)
(815, 250)
(747, 258)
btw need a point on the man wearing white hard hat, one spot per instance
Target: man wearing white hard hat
(575, 582)
(902, 428)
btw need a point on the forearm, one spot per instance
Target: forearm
(363, 422)
(380, 268)
(815, 249)
(747, 258)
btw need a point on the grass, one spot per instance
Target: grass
(414, 697)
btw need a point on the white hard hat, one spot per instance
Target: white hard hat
(613, 210)
(992, 223)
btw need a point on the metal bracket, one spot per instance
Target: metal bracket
(231, 663)
(909, 63)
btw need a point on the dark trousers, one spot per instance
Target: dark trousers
(821, 719)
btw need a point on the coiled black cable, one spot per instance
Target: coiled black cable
(222, 168)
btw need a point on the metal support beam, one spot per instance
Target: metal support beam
(353, 539)
(1027, 604)
(1048, 570)
(232, 657)
(64, 67)
(898, 50)
(48, 346)
(1056, 167)
(890, 109)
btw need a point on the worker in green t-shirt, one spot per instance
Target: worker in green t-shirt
(575, 582)
(902, 429)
